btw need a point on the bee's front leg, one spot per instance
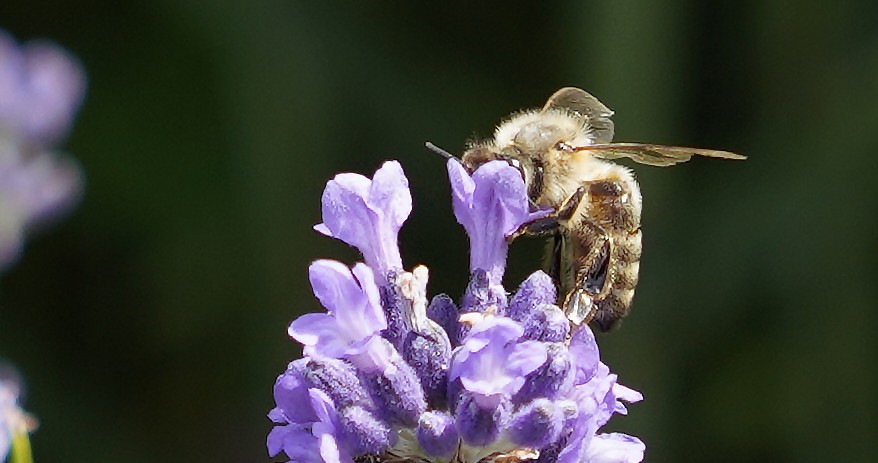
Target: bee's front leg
(550, 224)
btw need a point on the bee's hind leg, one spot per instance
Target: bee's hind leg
(579, 307)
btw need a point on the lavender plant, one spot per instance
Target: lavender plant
(389, 376)
(41, 89)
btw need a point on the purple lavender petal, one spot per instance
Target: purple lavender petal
(627, 394)
(299, 444)
(320, 334)
(314, 440)
(584, 349)
(390, 194)
(326, 429)
(573, 445)
(491, 205)
(437, 434)
(368, 214)
(614, 448)
(291, 395)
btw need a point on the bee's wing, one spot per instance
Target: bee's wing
(596, 114)
(654, 155)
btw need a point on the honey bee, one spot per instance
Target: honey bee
(563, 152)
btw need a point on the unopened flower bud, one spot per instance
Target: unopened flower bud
(437, 434)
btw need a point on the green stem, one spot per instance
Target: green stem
(21, 452)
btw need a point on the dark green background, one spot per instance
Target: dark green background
(151, 324)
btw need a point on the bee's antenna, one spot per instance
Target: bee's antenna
(441, 152)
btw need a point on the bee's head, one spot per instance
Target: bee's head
(529, 167)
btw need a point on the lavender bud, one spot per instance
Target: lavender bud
(364, 432)
(338, 379)
(537, 424)
(480, 296)
(437, 434)
(536, 290)
(480, 426)
(397, 392)
(547, 323)
(553, 378)
(443, 311)
(429, 354)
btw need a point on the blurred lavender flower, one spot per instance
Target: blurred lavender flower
(41, 88)
(388, 375)
(15, 424)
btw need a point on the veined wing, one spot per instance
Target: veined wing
(654, 155)
(596, 114)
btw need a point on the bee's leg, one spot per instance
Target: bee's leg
(550, 224)
(554, 258)
(579, 307)
(588, 284)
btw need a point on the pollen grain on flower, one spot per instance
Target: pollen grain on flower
(389, 375)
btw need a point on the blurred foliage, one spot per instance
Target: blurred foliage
(151, 325)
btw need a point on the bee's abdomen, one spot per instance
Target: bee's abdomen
(615, 305)
(618, 216)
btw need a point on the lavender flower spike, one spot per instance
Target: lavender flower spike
(491, 205)
(387, 378)
(368, 214)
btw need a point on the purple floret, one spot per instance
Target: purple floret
(491, 205)
(368, 213)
